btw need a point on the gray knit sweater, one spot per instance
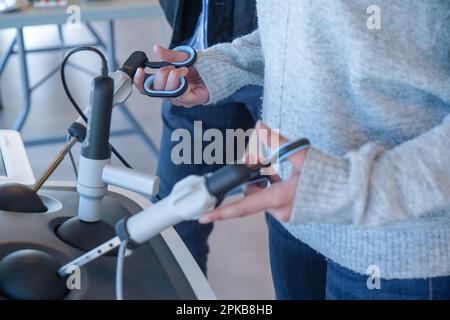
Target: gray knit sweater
(375, 188)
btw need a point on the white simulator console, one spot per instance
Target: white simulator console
(14, 164)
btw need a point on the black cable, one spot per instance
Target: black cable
(119, 269)
(104, 72)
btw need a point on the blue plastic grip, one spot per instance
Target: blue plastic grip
(148, 84)
(192, 56)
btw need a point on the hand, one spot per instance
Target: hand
(168, 78)
(277, 199)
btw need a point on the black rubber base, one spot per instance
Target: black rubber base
(31, 275)
(85, 236)
(15, 197)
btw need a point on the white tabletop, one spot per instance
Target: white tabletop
(91, 10)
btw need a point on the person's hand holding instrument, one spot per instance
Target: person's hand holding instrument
(176, 78)
(277, 199)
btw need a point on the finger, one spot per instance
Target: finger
(262, 136)
(195, 94)
(272, 197)
(269, 137)
(270, 172)
(252, 188)
(173, 81)
(274, 140)
(274, 178)
(139, 79)
(282, 214)
(183, 72)
(169, 55)
(161, 78)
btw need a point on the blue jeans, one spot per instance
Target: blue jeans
(300, 273)
(240, 111)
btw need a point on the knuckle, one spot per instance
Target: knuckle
(174, 73)
(164, 70)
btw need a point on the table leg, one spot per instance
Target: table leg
(111, 47)
(20, 120)
(94, 33)
(61, 39)
(8, 52)
(4, 60)
(137, 128)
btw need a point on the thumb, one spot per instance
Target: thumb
(169, 55)
(269, 137)
(139, 79)
(274, 140)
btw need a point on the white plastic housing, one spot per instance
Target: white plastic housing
(91, 188)
(123, 86)
(189, 200)
(131, 180)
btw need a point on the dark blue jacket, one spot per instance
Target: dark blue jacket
(228, 19)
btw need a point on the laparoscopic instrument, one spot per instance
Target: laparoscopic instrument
(189, 200)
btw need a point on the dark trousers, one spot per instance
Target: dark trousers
(298, 272)
(239, 111)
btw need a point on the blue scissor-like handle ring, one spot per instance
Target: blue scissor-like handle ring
(150, 79)
(190, 61)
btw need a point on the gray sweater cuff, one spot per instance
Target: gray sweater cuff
(210, 66)
(323, 182)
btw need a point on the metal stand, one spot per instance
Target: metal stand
(3, 61)
(21, 51)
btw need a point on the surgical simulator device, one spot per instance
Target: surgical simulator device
(189, 200)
